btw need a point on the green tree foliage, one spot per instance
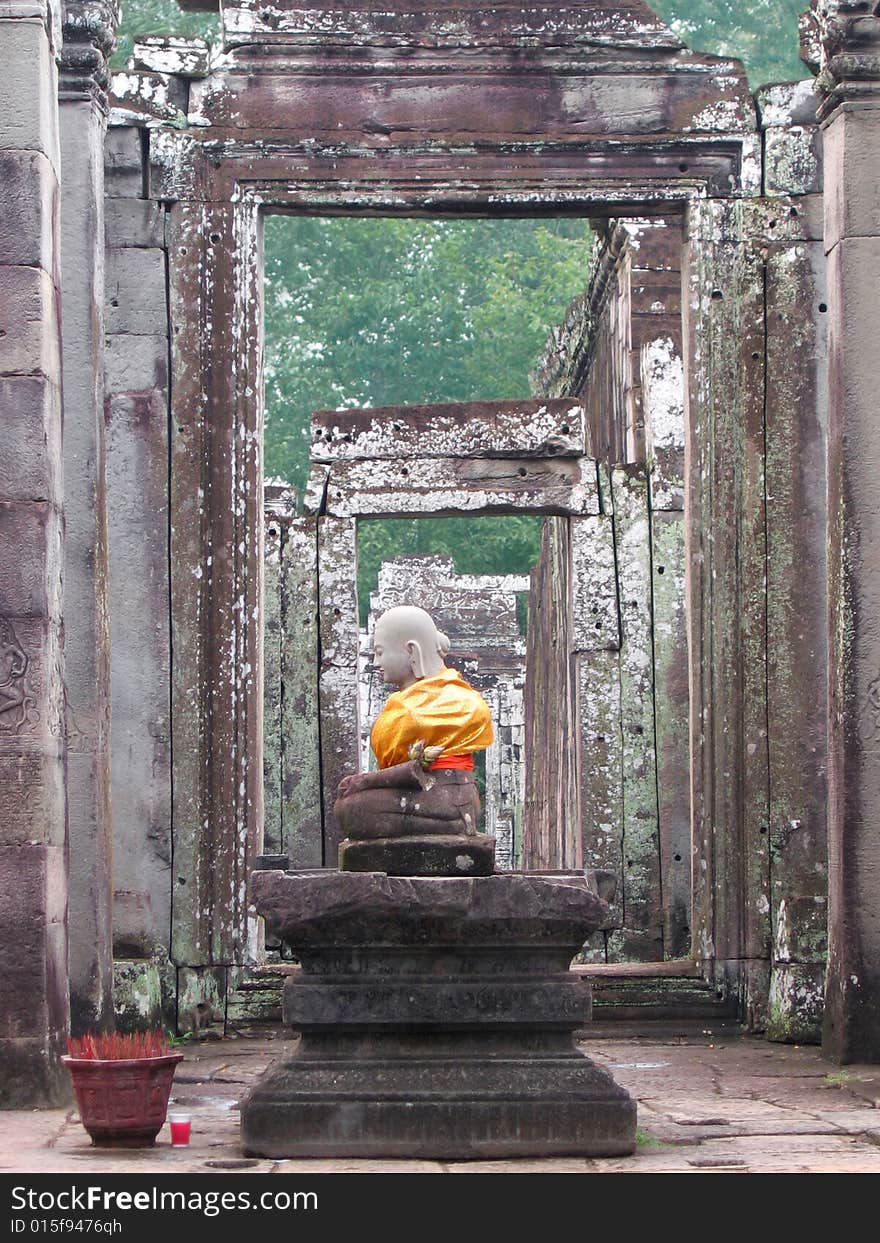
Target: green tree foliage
(373, 312)
(761, 33)
(385, 312)
(142, 17)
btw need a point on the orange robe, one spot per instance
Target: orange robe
(443, 710)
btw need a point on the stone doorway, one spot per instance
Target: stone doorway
(506, 109)
(268, 134)
(605, 660)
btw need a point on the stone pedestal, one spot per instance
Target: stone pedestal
(434, 855)
(437, 1018)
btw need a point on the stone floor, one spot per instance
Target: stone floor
(707, 1102)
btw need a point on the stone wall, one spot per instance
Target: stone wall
(623, 345)
(620, 350)
(552, 837)
(292, 747)
(34, 1003)
(728, 374)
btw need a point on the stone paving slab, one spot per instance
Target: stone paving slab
(707, 1104)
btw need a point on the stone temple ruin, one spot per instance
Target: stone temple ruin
(179, 671)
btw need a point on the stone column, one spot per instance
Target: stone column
(33, 866)
(88, 35)
(851, 127)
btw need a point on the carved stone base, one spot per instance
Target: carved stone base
(420, 856)
(440, 1105)
(437, 1018)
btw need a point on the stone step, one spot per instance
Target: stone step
(623, 998)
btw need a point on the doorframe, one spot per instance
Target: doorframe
(215, 270)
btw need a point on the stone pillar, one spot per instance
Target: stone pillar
(33, 866)
(851, 129)
(136, 423)
(88, 35)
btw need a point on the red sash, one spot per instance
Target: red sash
(464, 762)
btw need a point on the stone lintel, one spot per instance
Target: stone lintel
(172, 54)
(550, 428)
(630, 24)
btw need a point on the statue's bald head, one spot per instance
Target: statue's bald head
(408, 645)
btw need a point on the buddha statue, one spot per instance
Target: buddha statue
(419, 812)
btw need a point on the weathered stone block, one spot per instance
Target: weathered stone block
(663, 384)
(788, 103)
(136, 98)
(793, 160)
(137, 995)
(554, 105)
(247, 21)
(135, 931)
(30, 540)
(852, 1017)
(137, 505)
(454, 485)
(33, 942)
(642, 890)
(123, 163)
(135, 364)
(420, 856)
(556, 427)
(31, 704)
(595, 614)
(201, 1000)
(655, 293)
(134, 222)
(794, 1009)
(29, 224)
(852, 301)
(173, 54)
(30, 448)
(801, 930)
(90, 901)
(671, 712)
(136, 297)
(32, 798)
(28, 101)
(32, 1075)
(600, 772)
(301, 732)
(29, 340)
(852, 156)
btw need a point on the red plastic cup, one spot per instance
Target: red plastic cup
(180, 1128)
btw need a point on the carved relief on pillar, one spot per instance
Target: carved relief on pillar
(18, 705)
(88, 30)
(840, 40)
